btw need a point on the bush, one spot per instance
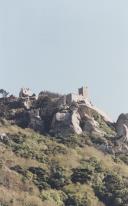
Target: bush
(77, 200)
(87, 171)
(58, 178)
(53, 196)
(82, 175)
(40, 177)
(113, 190)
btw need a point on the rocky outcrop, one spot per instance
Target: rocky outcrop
(122, 134)
(66, 122)
(89, 125)
(45, 115)
(76, 119)
(36, 122)
(22, 118)
(50, 113)
(62, 125)
(122, 125)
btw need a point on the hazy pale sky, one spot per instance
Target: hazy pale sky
(60, 45)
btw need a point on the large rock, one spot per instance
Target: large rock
(75, 120)
(36, 122)
(89, 125)
(66, 122)
(22, 118)
(61, 124)
(122, 125)
(30, 119)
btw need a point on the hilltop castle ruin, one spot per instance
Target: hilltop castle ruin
(26, 97)
(51, 112)
(81, 96)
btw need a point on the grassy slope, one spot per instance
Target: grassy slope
(46, 153)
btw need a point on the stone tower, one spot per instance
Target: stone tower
(83, 91)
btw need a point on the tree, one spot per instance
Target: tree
(3, 93)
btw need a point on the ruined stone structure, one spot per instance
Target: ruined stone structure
(72, 97)
(25, 92)
(49, 94)
(62, 100)
(83, 91)
(82, 95)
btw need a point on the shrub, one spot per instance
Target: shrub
(54, 196)
(113, 190)
(58, 178)
(77, 200)
(87, 171)
(82, 175)
(40, 177)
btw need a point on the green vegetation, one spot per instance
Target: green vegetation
(37, 170)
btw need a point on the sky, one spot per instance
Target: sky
(60, 45)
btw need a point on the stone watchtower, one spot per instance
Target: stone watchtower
(83, 91)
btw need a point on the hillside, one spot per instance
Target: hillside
(60, 150)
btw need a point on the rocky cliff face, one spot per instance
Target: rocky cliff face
(45, 115)
(50, 114)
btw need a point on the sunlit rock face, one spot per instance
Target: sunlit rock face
(66, 122)
(122, 125)
(51, 113)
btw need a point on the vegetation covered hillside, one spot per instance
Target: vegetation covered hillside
(38, 170)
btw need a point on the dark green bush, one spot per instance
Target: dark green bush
(40, 177)
(82, 175)
(73, 200)
(58, 178)
(112, 190)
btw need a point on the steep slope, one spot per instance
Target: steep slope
(54, 154)
(40, 170)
